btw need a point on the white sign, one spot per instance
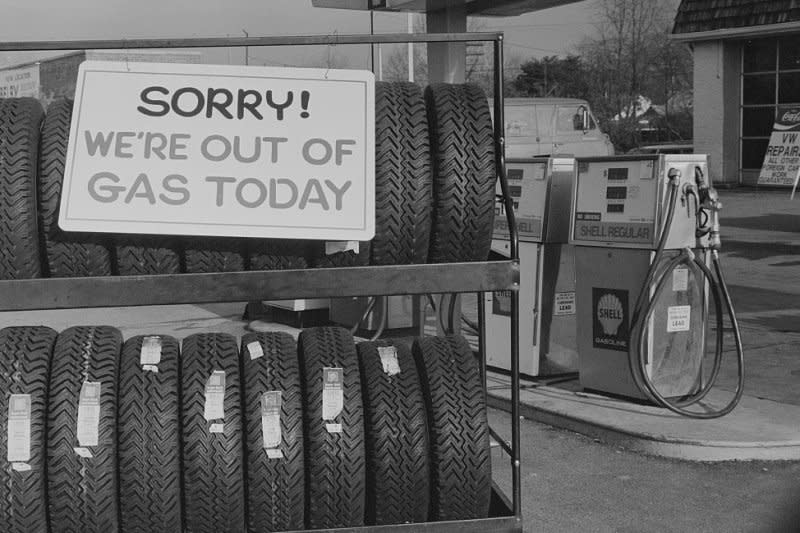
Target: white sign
(679, 318)
(782, 161)
(680, 279)
(18, 82)
(221, 150)
(565, 304)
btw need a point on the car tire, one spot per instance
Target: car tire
(24, 370)
(275, 478)
(214, 494)
(66, 254)
(462, 142)
(149, 437)
(82, 478)
(396, 432)
(274, 254)
(461, 467)
(138, 256)
(20, 121)
(215, 255)
(403, 177)
(335, 464)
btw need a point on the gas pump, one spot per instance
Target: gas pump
(646, 231)
(541, 189)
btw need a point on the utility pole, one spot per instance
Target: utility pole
(410, 48)
(246, 49)
(372, 46)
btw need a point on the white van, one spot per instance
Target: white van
(550, 126)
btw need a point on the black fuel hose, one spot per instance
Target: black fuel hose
(655, 281)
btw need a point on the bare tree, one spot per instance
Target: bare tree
(631, 56)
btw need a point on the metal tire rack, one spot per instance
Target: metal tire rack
(478, 277)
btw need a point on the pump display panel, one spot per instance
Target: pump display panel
(622, 201)
(528, 188)
(615, 202)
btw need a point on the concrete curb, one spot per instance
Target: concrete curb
(656, 441)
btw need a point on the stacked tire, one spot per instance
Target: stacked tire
(333, 419)
(149, 435)
(207, 435)
(20, 122)
(434, 196)
(82, 431)
(461, 470)
(24, 372)
(462, 140)
(434, 178)
(396, 428)
(212, 434)
(266, 434)
(273, 433)
(65, 254)
(403, 176)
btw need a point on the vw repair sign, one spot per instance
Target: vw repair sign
(782, 160)
(221, 150)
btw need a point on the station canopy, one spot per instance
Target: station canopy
(479, 8)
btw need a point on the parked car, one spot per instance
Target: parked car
(680, 147)
(551, 126)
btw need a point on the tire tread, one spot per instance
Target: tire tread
(461, 466)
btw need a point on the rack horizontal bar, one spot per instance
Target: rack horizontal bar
(235, 42)
(502, 521)
(504, 524)
(124, 291)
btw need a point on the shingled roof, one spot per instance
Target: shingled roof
(709, 15)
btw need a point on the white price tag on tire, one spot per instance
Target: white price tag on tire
(19, 428)
(271, 419)
(214, 408)
(389, 361)
(89, 414)
(151, 351)
(332, 392)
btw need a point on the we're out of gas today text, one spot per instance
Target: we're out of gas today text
(253, 191)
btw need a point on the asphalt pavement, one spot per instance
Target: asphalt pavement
(572, 483)
(761, 260)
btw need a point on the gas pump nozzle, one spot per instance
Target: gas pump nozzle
(709, 208)
(713, 205)
(703, 186)
(690, 189)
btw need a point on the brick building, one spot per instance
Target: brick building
(55, 77)
(746, 62)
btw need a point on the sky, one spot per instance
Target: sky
(552, 31)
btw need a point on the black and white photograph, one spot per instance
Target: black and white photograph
(398, 266)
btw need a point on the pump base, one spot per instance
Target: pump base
(608, 281)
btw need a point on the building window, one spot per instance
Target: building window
(770, 76)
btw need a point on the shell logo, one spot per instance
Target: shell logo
(610, 313)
